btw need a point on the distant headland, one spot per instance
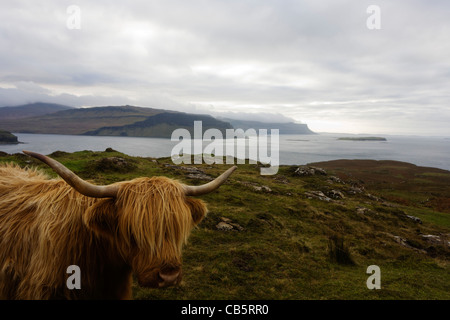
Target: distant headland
(7, 137)
(363, 138)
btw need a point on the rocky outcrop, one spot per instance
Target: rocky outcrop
(226, 224)
(309, 171)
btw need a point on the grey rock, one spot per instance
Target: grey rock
(415, 219)
(227, 225)
(317, 195)
(336, 194)
(309, 171)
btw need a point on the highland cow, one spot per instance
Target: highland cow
(110, 232)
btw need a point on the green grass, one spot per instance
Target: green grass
(284, 250)
(431, 216)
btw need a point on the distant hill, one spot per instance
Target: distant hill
(285, 128)
(110, 121)
(162, 125)
(79, 120)
(30, 110)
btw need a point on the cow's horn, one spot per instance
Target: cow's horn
(74, 181)
(210, 186)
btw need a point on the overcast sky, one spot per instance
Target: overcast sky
(315, 62)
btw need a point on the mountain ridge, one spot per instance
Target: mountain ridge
(120, 121)
(30, 110)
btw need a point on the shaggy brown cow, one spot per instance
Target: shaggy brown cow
(109, 232)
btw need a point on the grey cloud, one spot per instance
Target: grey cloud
(305, 60)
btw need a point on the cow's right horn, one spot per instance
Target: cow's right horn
(210, 186)
(75, 181)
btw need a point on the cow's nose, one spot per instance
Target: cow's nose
(168, 278)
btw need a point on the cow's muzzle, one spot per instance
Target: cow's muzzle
(168, 278)
(164, 277)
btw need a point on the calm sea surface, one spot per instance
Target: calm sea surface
(294, 149)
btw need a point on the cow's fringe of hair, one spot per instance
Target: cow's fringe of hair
(45, 226)
(157, 203)
(155, 217)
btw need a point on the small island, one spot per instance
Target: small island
(363, 138)
(7, 138)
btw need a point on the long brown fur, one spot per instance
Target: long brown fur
(46, 226)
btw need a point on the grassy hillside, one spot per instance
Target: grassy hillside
(309, 232)
(162, 125)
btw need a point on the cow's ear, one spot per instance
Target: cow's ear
(101, 217)
(198, 209)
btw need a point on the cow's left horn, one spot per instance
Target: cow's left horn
(210, 186)
(75, 181)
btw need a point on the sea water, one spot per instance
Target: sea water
(293, 149)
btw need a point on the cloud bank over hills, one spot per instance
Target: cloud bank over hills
(314, 62)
